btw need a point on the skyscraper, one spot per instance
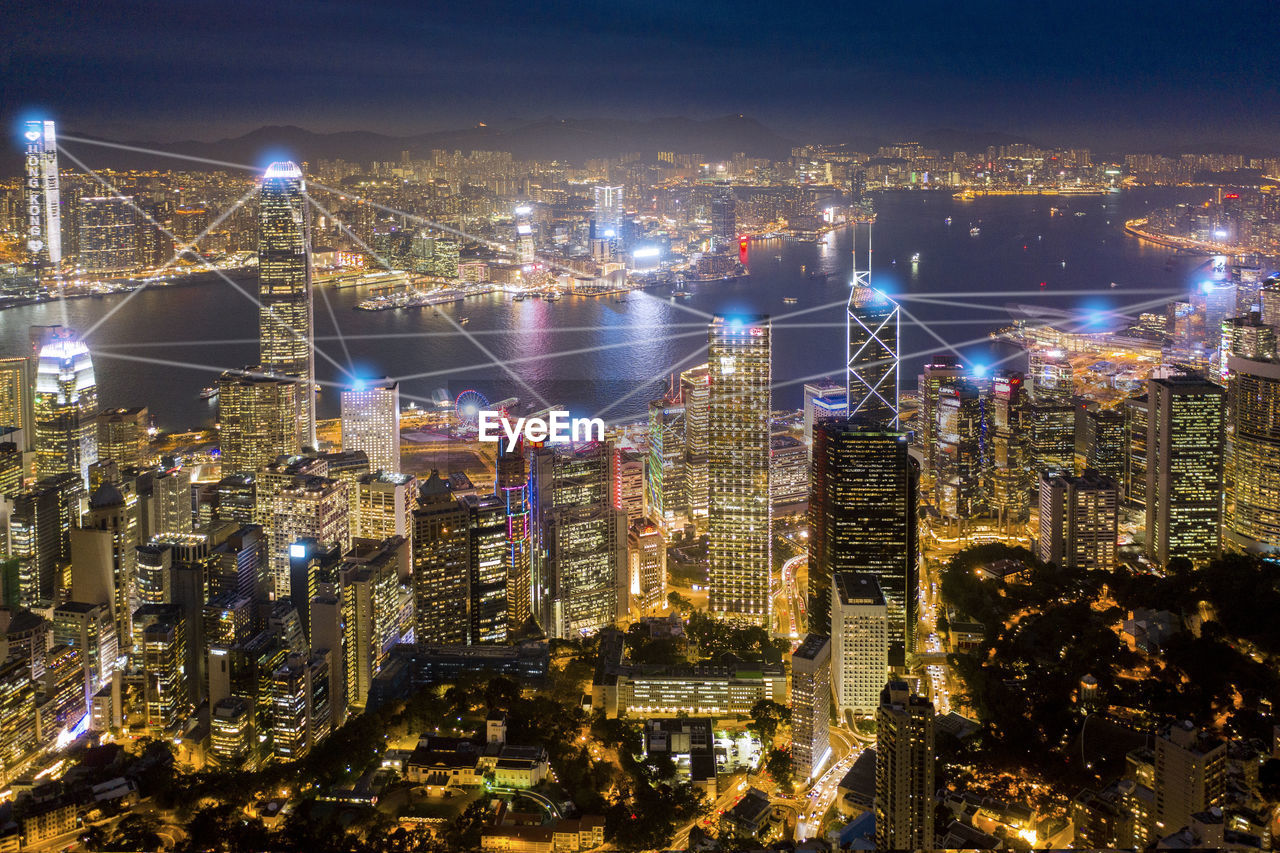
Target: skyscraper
(904, 770)
(42, 223)
(1079, 519)
(666, 489)
(1135, 459)
(695, 391)
(724, 222)
(66, 409)
(740, 511)
(1185, 427)
(286, 324)
(1253, 457)
(309, 508)
(257, 419)
(487, 567)
(1008, 483)
(960, 458)
(810, 705)
(17, 398)
(608, 212)
(862, 518)
(873, 374)
(824, 400)
(371, 422)
(859, 643)
(1190, 775)
(512, 487)
(122, 436)
(941, 371)
(441, 548)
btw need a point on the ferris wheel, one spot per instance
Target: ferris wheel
(468, 406)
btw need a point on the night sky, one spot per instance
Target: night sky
(1138, 75)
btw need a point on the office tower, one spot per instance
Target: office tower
(278, 475)
(580, 572)
(17, 716)
(739, 509)
(234, 498)
(89, 628)
(231, 735)
(1190, 775)
(1051, 377)
(64, 682)
(1247, 337)
(370, 613)
(66, 409)
(724, 221)
(810, 705)
(154, 563)
(310, 508)
(107, 227)
(1079, 519)
(941, 371)
(40, 535)
(163, 642)
(665, 486)
(441, 551)
(1135, 460)
(286, 324)
(647, 557)
(1269, 302)
(1186, 422)
(873, 373)
(170, 504)
(17, 397)
(1050, 428)
(300, 709)
(627, 482)
(824, 400)
(904, 770)
(257, 418)
(122, 436)
(961, 451)
(788, 474)
(1105, 440)
(512, 487)
(12, 469)
(383, 506)
(695, 391)
(1252, 520)
(608, 212)
(859, 643)
(1008, 484)
(862, 517)
(523, 221)
(42, 224)
(1214, 301)
(104, 558)
(487, 567)
(371, 422)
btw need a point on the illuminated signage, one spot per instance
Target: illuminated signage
(43, 214)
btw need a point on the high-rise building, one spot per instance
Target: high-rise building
(310, 508)
(873, 371)
(941, 371)
(1105, 441)
(859, 643)
(904, 770)
(1051, 435)
(961, 450)
(1079, 519)
(258, 422)
(17, 398)
(104, 558)
(1008, 482)
(42, 224)
(1051, 376)
(371, 422)
(300, 705)
(627, 481)
(739, 506)
(824, 400)
(17, 716)
(724, 221)
(441, 568)
(666, 489)
(580, 549)
(122, 436)
(383, 506)
(1252, 519)
(231, 734)
(1247, 337)
(286, 322)
(66, 409)
(1135, 459)
(487, 567)
(695, 392)
(512, 487)
(107, 228)
(1190, 775)
(40, 535)
(810, 705)
(1186, 423)
(608, 212)
(647, 556)
(370, 579)
(862, 518)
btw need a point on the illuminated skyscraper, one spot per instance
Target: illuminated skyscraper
(665, 488)
(810, 705)
(740, 509)
(371, 422)
(108, 234)
(1135, 459)
(1253, 458)
(122, 436)
(512, 487)
(310, 508)
(1008, 482)
(608, 212)
(1104, 440)
(66, 409)
(17, 400)
(383, 506)
(487, 567)
(286, 324)
(522, 216)
(370, 613)
(256, 414)
(42, 220)
(695, 391)
(231, 734)
(904, 770)
(647, 557)
(873, 354)
(1079, 518)
(961, 451)
(40, 535)
(441, 549)
(862, 518)
(824, 400)
(1185, 429)
(724, 222)
(859, 643)
(940, 372)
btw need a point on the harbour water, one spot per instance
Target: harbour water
(601, 355)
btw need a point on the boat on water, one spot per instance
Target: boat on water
(915, 259)
(947, 221)
(462, 321)
(789, 300)
(551, 296)
(208, 393)
(975, 231)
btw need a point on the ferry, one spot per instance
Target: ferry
(551, 295)
(789, 300)
(947, 221)
(915, 259)
(208, 393)
(975, 231)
